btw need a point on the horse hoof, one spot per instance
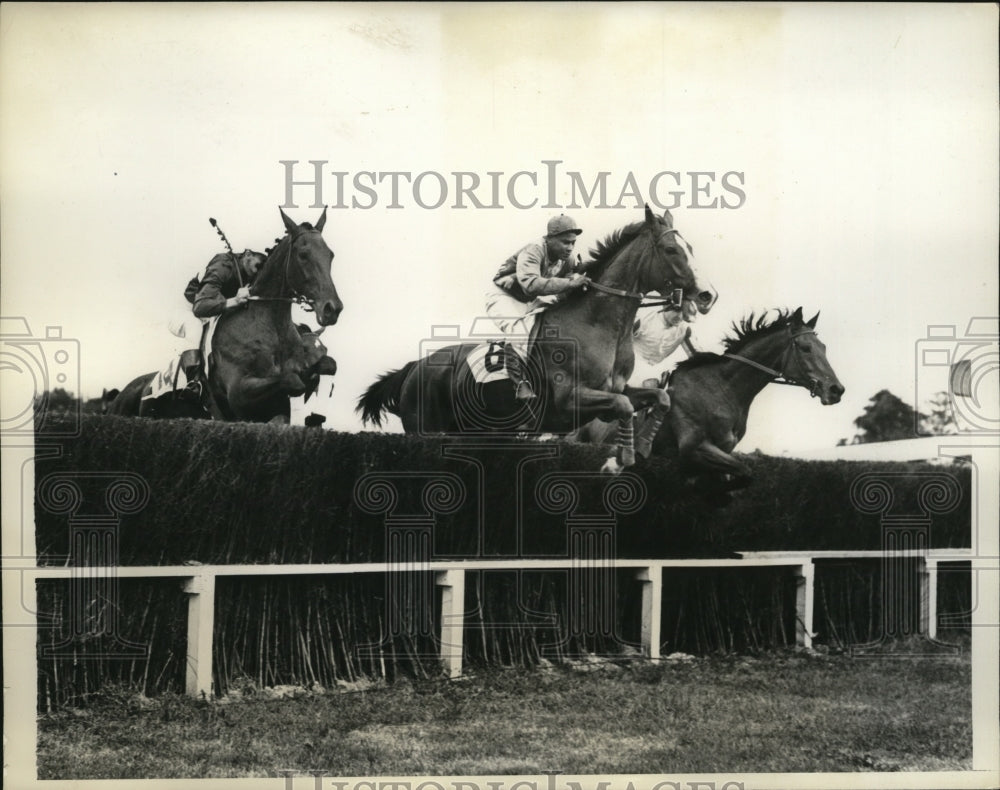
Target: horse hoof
(611, 467)
(628, 456)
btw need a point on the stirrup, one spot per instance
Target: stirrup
(193, 391)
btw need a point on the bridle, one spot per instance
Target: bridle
(676, 297)
(779, 376)
(307, 304)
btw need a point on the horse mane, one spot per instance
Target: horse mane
(609, 247)
(744, 332)
(277, 242)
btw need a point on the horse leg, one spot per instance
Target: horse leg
(708, 456)
(251, 392)
(616, 407)
(658, 399)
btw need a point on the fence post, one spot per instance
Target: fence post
(805, 587)
(651, 579)
(928, 596)
(452, 584)
(201, 624)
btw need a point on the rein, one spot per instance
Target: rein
(779, 377)
(674, 301)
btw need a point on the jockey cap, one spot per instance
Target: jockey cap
(563, 224)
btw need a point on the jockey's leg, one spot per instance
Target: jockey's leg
(187, 326)
(510, 316)
(513, 360)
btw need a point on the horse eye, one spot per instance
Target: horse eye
(804, 348)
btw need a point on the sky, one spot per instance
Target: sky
(861, 141)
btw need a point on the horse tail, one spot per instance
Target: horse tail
(383, 395)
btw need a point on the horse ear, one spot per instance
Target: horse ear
(797, 316)
(811, 323)
(290, 226)
(322, 220)
(668, 218)
(650, 218)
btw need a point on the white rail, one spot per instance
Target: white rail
(198, 582)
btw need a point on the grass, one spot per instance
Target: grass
(784, 712)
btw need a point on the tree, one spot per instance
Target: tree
(58, 401)
(941, 419)
(886, 419)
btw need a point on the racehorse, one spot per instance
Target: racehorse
(259, 358)
(710, 394)
(580, 356)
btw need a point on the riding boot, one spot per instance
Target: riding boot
(650, 427)
(516, 372)
(191, 365)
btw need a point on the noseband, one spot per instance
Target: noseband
(779, 377)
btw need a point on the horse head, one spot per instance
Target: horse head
(805, 361)
(299, 265)
(670, 265)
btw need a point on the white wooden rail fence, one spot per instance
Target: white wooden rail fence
(198, 582)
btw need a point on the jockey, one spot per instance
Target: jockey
(537, 276)
(220, 289)
(659, 334)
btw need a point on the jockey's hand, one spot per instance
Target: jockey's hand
(241, 298)
(578, 281)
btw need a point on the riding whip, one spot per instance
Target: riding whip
(232, 254)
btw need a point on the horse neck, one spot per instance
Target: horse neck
(272, 281)
(625, 272)
(628, 270)
(272, 286)
(747, 380)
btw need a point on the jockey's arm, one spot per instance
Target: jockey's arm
(689, 346)
(211, 300)
(529, 275)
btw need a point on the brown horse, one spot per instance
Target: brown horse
(710, 394)
(581, 356)
(259, 357)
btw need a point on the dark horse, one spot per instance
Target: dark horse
(580, 357)
(259, 358)
(710, 394)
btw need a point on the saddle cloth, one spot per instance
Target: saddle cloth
(487, 361)
(167, 377)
